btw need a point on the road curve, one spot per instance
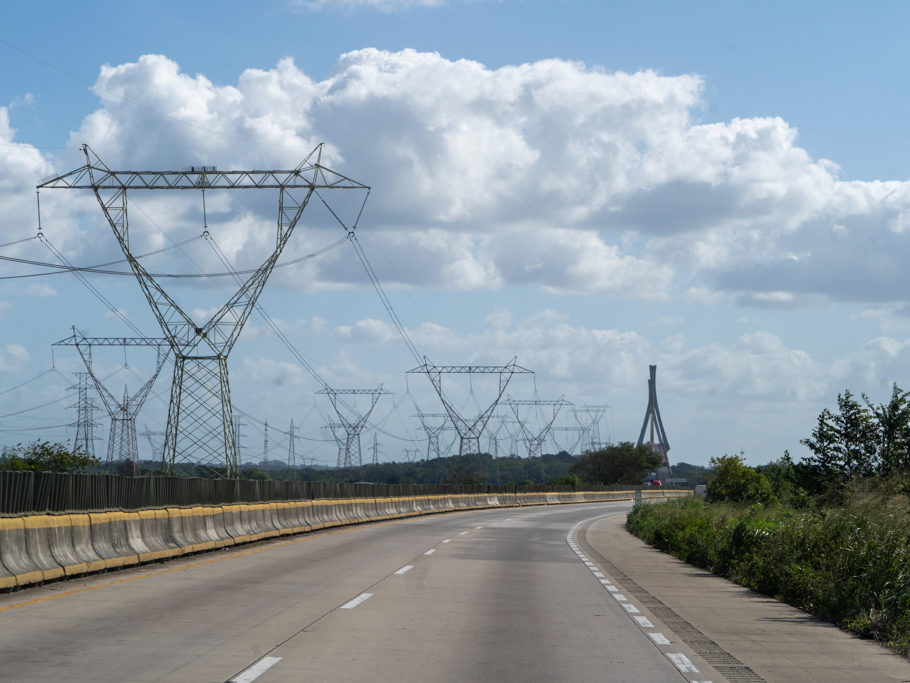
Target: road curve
(490, 595)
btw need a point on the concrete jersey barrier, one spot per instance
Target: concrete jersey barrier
(39, 548)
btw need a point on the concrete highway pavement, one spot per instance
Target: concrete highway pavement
(557, 593)
(474, 596)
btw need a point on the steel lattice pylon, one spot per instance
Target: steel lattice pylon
(85, 421)
(433, 430)
(535, 440)
(578, 431)
(122, 444)
(200, 428)
(292, 452)
(351, 421)
(590, 426)
(469, 431)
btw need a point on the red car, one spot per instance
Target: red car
(656, 482)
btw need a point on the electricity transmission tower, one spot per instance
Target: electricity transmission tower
(588, 419)
(148, 434)
(536, 439)
(292, 452)
(469, 430)
(497, 422)
(432, 430)
(337, 430)
(351, 421)
(265, 447)
(200, 428)
(122, 444)
(652, 418)
(376, 448)
(579, 435)
(85, 415)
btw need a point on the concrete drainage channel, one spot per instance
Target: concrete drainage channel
(624, 587)
(35, 549)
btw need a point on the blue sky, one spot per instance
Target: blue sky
(716, 188)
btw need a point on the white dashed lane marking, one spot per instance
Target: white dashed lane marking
(430, 551)
(255, 671)
(351, 604)
(405, 569)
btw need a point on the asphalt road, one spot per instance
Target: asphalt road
(495, 595)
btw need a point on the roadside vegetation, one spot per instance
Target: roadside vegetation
(43, 456)
(829, 535)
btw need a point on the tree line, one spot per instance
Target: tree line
(861, 439)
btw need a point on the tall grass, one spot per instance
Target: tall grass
(849, 565)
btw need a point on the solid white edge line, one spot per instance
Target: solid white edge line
(351, 604)
(682, 662)
(255, 671)
(405, 569)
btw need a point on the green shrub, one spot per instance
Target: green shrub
(733, 481)
(848, 565)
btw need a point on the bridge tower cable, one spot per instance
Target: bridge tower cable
(469, 429)
(658, 435)
(200, 426)
(122, 446)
